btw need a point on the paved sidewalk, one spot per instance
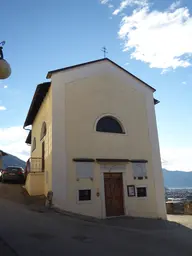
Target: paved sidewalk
(185, 220)
(27, 228)
(5, 250)
(144, 225)
(47, 233)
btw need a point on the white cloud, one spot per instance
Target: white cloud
(174, 5)
(104, 1)
(107, 2)
(12, 140)
(2, 108)
(165, 70)
(3, 86)
(177, 159)
(126, 3)
(163, 39)
(184, 82)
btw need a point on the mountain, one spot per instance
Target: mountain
(172, 179)
(11, 160)
(177, 179)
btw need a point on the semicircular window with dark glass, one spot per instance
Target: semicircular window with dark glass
(109, 124)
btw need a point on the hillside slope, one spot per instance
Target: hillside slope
(11, 160)
(177, 179)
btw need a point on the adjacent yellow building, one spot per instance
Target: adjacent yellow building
(94, 142)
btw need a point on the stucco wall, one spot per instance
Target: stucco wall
(84, 95)
(35, 184)
(44, 115)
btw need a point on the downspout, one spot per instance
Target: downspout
(27, 162)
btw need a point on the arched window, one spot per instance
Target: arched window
(34, 144)
(109, 124)
(43, 130)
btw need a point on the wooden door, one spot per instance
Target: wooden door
(43, 156)
(114, 194)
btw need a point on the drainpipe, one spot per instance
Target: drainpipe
(28, 162)
(27, 130)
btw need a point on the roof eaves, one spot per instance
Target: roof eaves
(2, 153)
(153, 89)
(28, 139)
(156, 101)
(34, 102)
(49, 74)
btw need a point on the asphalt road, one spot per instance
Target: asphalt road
(25, 232)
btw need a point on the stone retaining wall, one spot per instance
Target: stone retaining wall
(179, 208)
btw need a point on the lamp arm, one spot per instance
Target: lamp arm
(1, 49)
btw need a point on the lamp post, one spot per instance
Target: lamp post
(5, 69)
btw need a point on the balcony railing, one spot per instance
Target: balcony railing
(34, 164)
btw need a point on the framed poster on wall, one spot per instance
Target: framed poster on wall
(131, 190)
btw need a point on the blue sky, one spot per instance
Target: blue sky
(151, 39)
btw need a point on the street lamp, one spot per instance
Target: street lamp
(5, 69)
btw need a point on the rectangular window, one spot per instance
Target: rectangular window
(141, 191)
(85, 195)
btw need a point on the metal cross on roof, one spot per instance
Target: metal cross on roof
(104, 50)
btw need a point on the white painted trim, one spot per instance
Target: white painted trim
(102, 189)
(119, 167)
(124, 194)
(100, 68)
(143, 197)
(114, 217)
(141, 186)
(111, 169)
(157, 176)
(102, 195)
(117, 118)
(59, 153)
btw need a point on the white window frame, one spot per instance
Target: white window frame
(141, 186)
(84, 201)
(117, 118)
